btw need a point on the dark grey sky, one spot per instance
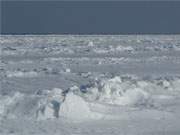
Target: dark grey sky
(115, 17)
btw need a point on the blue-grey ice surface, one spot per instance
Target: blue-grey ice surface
(90, 85)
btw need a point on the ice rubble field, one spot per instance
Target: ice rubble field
(69, 85)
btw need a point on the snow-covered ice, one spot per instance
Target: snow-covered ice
(101, 84)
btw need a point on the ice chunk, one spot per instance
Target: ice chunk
(47, 110)
(49, 105)
(68, 70)
(90, 43)
(75, 107)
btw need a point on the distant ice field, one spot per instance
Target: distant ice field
(91, 84)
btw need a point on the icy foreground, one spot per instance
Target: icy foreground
(124, 85)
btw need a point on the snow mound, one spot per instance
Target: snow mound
(75, 107)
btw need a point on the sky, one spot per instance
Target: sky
(90, 17)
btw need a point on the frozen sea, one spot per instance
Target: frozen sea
(90, 84)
